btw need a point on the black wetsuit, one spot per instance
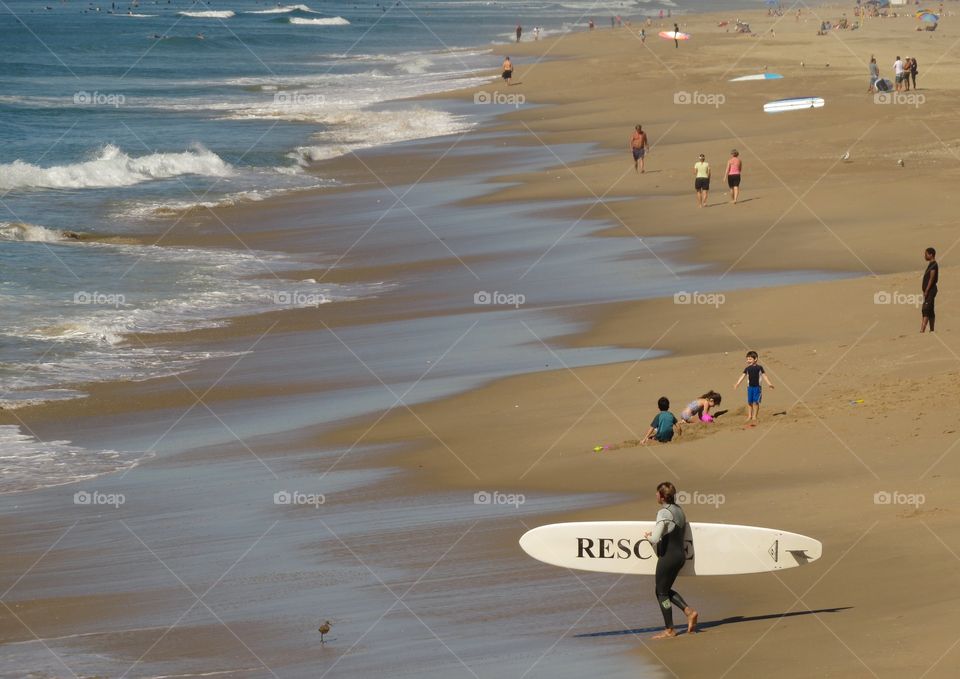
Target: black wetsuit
(671, 558)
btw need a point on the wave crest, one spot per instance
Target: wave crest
(209, 14)
(112, 167)
(326, 21)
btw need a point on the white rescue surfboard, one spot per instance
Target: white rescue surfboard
(711, 548)
(795, 104)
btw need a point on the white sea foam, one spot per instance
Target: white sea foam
(209, 14)
(353, 130)
(21, 231)
(283, 10)
(27, 463)
(326, 21)
(113, 167)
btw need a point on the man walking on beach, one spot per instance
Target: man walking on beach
(930, 279)
(639, 145)
(701, 183)
(519, 32)
(507, 71)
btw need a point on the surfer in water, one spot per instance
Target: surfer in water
(667, 538)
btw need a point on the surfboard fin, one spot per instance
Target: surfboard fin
(774, 551)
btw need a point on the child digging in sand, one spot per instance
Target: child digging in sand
(664, 425)
(699, 407)
(753, 372)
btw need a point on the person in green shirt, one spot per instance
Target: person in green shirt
(701, 172)
(664, 425)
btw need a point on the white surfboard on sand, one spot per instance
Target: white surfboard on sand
(711, 548)
(795, 104)
(757, 76)
(674, 35)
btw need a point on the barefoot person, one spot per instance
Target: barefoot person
(507, 70)
(701, 183)
(732, 175)
(930, 279)
(639, 145)
(667, 537)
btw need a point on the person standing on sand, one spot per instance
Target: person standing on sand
(732, 175)
(667, 538)
(906, 74)
(676, 36)
(701, 182)
(898, 73)
(638, 146)
(874, 75)
(913, 71)
(929, 286)
(753, 372)
(519, 32)
(507, 71)
(643, 36)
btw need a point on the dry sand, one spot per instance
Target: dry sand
(819, 456)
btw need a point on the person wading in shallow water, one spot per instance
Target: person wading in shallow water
(667, 538)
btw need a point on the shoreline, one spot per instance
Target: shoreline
(849, 314)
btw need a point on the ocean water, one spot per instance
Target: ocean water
(115, 116)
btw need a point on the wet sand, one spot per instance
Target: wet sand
(871, 479)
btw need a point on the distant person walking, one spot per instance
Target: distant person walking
(507, 71)
(638, 146)
(701, 183)
(667, 538)
(929, 285)
(732, 175)
(643, 36)
(519, 32)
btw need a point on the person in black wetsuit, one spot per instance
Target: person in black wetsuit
(930, 279)
(667, 538)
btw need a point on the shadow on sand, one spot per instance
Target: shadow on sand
(681, 626)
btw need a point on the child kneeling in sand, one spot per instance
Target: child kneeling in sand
(699, 407)
(664, 425)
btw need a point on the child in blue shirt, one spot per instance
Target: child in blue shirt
(664, 425)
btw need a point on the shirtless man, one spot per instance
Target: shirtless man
(507, 70)
(639, 145)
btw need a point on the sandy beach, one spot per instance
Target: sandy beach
(403, 405)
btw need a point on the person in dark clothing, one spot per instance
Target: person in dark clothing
(667, 537)
(929, 286)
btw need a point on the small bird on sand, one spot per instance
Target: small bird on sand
(324, 629)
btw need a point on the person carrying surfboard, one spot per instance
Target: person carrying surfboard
(667, 538)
